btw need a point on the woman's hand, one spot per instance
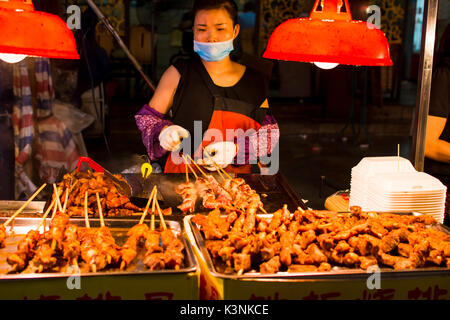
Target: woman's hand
(221, 153)
(170, 137)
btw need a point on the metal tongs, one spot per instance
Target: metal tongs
(123, 187)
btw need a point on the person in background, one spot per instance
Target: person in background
(212, 90)
(437, 141)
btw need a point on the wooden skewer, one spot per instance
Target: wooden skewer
(102, 222)
(24, 205)
(197, 166)
(68, 190)
(301, 210)
(86, 218)
(73, 186)
(186, 168)
(152, 223)
(160, 215)
(240, 272)
(46, 214)
(263, 210)
(55, 207)
(220, 168)
(65, 200)
(57, 197)
(190, 167)
(150, 199)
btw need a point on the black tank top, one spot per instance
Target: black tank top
(193, 100)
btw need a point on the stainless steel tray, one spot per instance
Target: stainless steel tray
(334, 273)
(119, 229)
(33, 209)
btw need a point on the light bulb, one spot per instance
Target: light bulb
(11, 57)
(326, 65)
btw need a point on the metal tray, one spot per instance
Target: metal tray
(33, 209)
(334, 273)
(119, 229)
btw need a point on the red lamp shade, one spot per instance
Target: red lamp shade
(25, 31)
(329, 36)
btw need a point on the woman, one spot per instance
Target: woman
(215, 103)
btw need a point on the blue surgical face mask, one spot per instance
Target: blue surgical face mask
(213, 51)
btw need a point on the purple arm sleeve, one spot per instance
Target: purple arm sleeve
(150, 122)
(259, 144)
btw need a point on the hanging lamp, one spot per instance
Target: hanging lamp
(27, 32)
(329, 37)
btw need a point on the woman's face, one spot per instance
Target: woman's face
(214, 25)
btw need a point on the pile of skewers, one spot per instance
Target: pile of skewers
(163, 250)
(231, 194)
(307, 241)
(113, 203)
(65, 245)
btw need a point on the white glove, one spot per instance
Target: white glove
(221, 153)
(170, 137)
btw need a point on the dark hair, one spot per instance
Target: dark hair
(228, 5)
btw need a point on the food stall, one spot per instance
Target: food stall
(232, 251)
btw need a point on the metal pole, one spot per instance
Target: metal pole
(119, 40)
(424, 84)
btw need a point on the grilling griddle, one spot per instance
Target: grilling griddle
(274, 190)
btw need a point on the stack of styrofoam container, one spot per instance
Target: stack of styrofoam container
(391, 184)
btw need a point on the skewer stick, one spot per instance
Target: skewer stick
(68, 190)
(24, 205)
(46, 214)
(55, 207)
(73, 186)
(190, 167)
(152, 223)
(86, 218)
(102, 222)
(215, 164)
(197, 166)
(65, 200)
(150, 199)
(161, 215)
(58, 201)
(263, 210)
(186, 168)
